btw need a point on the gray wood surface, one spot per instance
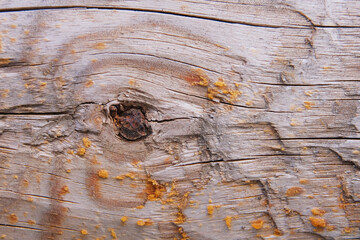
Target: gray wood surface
(253, 108)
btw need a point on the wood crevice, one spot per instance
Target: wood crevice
(188, 15)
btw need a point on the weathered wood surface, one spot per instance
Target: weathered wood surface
(279, 141)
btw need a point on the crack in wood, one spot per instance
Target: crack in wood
(166, 12)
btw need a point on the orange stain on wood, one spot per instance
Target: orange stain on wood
(5, 93)
(294, 191)
(100, 46)
(64, 190)
(86, 142)
(113, 233)
(31, 222)
(304, 181)
(277, 232)
(124, 219)
(228, 221)
(4, 61)
(13, 218)
(317, 222)
(94, 191)
(102, 173)
(89, 83)
(132, 82)
(318, 211)
(308, 105)
(197, 76)
(180, 217)
(93, 186)
(210, 209)
(154, 190)
(257, 224)
(81, 151)
(145, 222)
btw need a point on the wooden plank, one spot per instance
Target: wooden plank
(254, 127)
(289, 13)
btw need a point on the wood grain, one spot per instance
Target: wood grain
(254, 111)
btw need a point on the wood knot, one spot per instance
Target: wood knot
(130, 122)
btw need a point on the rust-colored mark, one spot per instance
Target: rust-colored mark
(140, 223)
(308, 105)
(183, 234)
(112, 233)
(124, 219)
(277, 232)
(136, 163)
(93, 186)
(94, 191)
(89, 83)
(294, 191)
(210, 209)
(102, 173)
(64, 190)
(330, 228)
(257, 224)
(130, 121)
(304, 181)
(54, 217)
(5, 93)
(100, 46)
(220, 84)
(197, 76)
(94, 161)
(317, 222)
(180, 218)
(31, 222)
(318, 211)
(43, 85)
(249, 103)
(228, 220)
(145, 222)
(130, 175)
(132, 82)
(13, 218)
(154, 190)
(309, 93)
(167, 160)
(221, 91)
(81, 151)
(4, 61)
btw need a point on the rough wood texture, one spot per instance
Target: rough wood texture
(253, 111)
